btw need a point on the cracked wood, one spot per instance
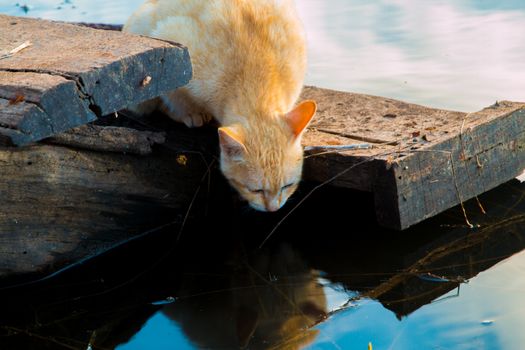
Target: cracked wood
(72, 74)
(109, 139)
(422, 160)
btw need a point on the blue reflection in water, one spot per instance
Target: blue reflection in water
(455, 321)
(159, 333)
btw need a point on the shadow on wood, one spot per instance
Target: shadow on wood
(63, 205)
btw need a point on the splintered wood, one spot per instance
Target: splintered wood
(418, 161)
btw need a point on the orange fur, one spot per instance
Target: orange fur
(249, 61)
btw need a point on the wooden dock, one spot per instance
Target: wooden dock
(79, 179)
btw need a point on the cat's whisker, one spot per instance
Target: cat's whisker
(321, 185)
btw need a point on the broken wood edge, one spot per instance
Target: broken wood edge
(93, 86)
(101, 26)
(109, 139)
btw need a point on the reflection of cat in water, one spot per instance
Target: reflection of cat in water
(270, 304)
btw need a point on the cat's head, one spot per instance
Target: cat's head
(263, 161)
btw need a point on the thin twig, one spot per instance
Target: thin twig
(16, 50)
(338, 147)
(208, 170)
(477, 160)
(335, 149)
(458, 193)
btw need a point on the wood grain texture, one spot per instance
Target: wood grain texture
(109, 139)
(61, 205)
(421, 160)
(39, 105)
(72, 74)
(435, 178)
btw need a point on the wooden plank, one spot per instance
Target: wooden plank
(420, 161)
(377, 120)
(72, 74)
(435, 178)
(95, 187)
(61, 205)
(109, 139)
(40, 105)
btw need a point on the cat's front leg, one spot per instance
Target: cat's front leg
(179, 106)
(147, 107)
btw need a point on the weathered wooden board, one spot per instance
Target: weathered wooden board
(109, 139)
(420, 161)
(61, 205)
(71, 74)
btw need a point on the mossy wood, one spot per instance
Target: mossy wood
(69, 75)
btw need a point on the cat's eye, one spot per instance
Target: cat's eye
(287, 186)
(257, 191)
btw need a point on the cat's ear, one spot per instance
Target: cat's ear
(231, 142)
(300, 116)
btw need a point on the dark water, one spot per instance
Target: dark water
(329, 278)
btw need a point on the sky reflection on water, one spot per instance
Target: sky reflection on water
(461, 55)
(456, 322)
(449, 54)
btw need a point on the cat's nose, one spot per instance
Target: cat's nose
(273, 204)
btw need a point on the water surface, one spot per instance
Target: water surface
(454, 54)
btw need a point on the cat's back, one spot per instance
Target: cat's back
(225, 24)
(154, 14)
(232, 38)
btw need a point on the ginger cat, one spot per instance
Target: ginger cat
(249, 62)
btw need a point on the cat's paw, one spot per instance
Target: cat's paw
(192, 118)
(196, 119)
